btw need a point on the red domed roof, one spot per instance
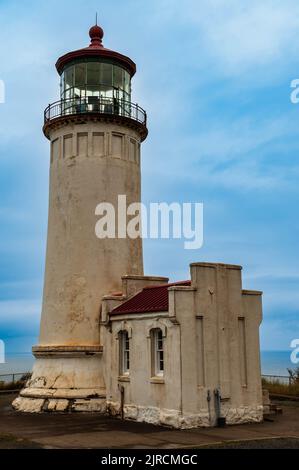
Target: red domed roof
(96, 49)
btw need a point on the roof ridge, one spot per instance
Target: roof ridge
(169, 284)
(149, 299)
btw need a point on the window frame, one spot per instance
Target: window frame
(124, 353)
(158, 353)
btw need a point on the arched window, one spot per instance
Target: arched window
(124, 353)
(157, 343)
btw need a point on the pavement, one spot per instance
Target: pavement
(94, 431)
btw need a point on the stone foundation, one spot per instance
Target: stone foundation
(174, 418)
(30, 403)
(64, 378)
(38, 405)
(243, 414)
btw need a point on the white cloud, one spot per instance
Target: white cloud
(231, 154)
(241, 35)
(15, 310)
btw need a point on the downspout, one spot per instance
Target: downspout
(181, 372)
(122, 400)
(209, 405)
(221, 420)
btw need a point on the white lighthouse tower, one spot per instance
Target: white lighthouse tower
(95, 132)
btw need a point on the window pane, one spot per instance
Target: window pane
(93, 91)
(69, 78)
(106, 74)
(158, 354)
(93, 73)
(128, 361)
(79, 92)
(62, 83)
(127, 82)
(80, 70)
(118, 81)
(125, 352)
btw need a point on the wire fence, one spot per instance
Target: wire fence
(283, 379)
(13, 378)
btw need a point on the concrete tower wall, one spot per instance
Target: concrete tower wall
(90, 164)
(95, 158)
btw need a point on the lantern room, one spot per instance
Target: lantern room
(95, 72)
(96, 80)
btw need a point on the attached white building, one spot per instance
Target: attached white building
(183, 354)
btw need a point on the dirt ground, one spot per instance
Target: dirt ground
(94, 431)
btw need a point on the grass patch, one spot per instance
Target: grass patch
(274, 386)
(17, 385)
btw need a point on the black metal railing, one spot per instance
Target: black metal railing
(13, 378)
(95, 105)
(284, 379)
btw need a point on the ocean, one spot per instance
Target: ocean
(15, 363)
(273, 363)
(276, 362)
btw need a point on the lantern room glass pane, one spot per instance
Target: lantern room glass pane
(106, 74)
(118, 79)
(106, 91)
(80, 75)
(127, 82)
(93, 73)
(80, 80)
(69, 78)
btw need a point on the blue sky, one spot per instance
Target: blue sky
(214, 77)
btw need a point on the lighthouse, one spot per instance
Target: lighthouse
(95, 132)
(112, 340)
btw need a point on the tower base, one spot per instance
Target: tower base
(38, 405)
(64, 378)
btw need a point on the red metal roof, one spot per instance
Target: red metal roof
(150, 299)
(96, 49)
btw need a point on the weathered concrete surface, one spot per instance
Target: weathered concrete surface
(90, 163)
(91, 430)
(210, 342)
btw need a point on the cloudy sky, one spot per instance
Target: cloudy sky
(214, 77)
